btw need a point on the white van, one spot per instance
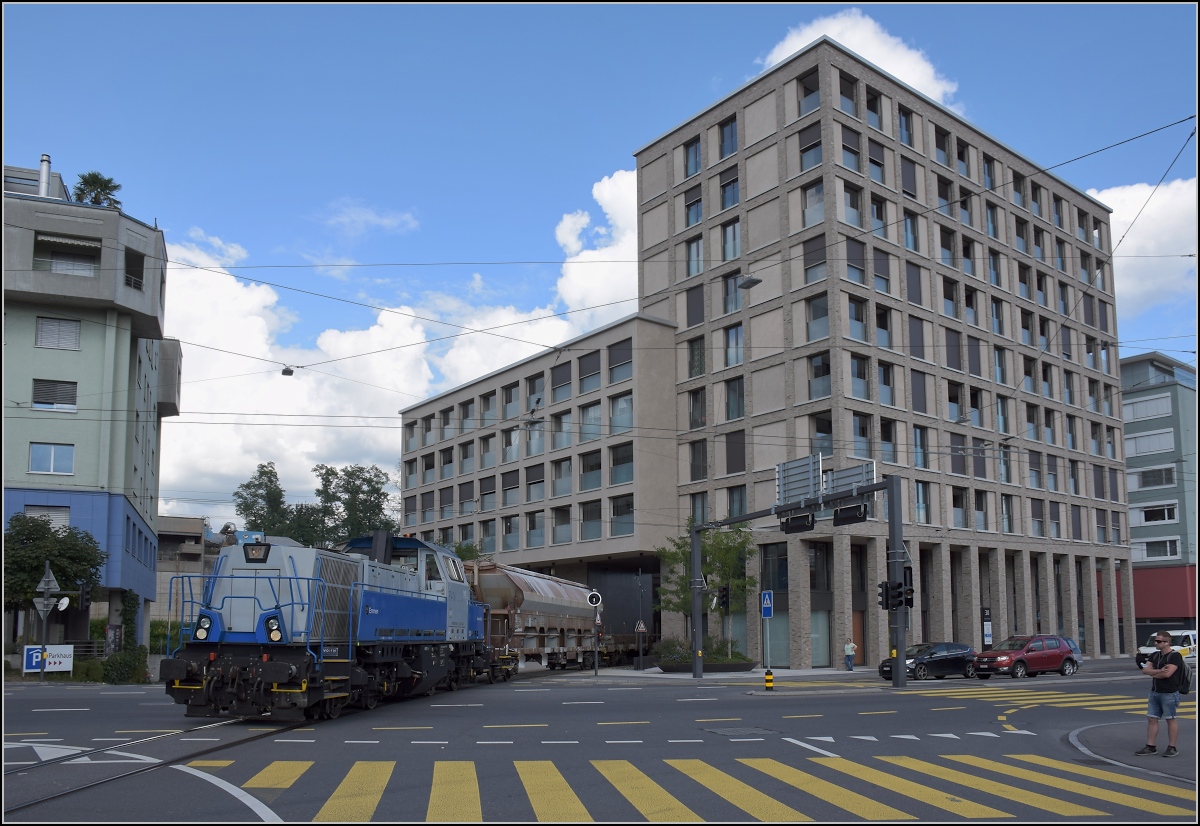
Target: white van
(1182, 641)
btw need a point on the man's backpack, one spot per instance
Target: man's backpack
(1185, 675)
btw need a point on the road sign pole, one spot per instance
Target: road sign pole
(596, 646)
(697, 608)
(46, 579)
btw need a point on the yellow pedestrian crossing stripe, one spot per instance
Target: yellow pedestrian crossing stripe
(1056, 699)
(800, 789)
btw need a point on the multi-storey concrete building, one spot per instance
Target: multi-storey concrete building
(853, 270)
(88, 376)
(1158, 405)
(561, 463)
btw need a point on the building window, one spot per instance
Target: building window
(589, 422)
(968, 256)
(887, 441)
(852, 204)
(699, 506)
(856, 261)
(860, 377)
(695, 356)
(560, 430)
(729, 138)
(848, 94)
(732, 295)
(947, 247)
(50, 458)
(693, 207)
(697, 409)
(883, 326)
(510, 441)
(535, 483)
(466, 412)
(622, 516)
(818, 376)
(850, 153)
(945, 197)
(510, 533)
(57, 333)
(54, 395)
(620, 361)
(941, 143)
(695, 256)
(691, 156)
(997, 316)
(511, 397)
(958, 504)
(876, 162)
(590, 471)
(535, 442)
(887, 388)
(698, 460)
(735, 403)
(620, 413)
(560, 382)
(47, 257)
(535, 529)
(487, 452)
(879, 217)
(912, 238)
(1006, 512)
(810, 93)
(963, 153)
(561, 529)
(1018, 189)
(731, 240)
(923, 503)
(856, 315)
(822, 434)
(620, 462)
(560, 477)
(814, 259)
(981, 511)
(874, 109)
(908, 179)
(810, 147)
(813, 199)
(446, 462)
(733, 345)
(730, 196)
(907, 127)
(861, 425)
(736, 498)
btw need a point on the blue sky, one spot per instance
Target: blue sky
(286, 137)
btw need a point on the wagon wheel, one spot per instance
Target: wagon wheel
(332, 709)
(370, 700)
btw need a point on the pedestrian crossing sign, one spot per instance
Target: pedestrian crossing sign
(768, 600)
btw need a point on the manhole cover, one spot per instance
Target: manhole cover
(740, 732)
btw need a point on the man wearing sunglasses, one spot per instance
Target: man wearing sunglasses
(1165, 666)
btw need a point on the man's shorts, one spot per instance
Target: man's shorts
(1163, 705)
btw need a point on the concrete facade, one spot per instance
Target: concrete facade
(926, 299)
(88, 375)
(1158, 405)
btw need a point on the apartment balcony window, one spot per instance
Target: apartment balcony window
(620, 464)
(695, 256)
(427, 506)
(466, 458)
(466, 498)
(1018, 189)
(560, 477)
(968, 256)
(941, 144)
(1002, 421)
(810, 93)
(510, 445)
(735, 402)
(1000, 365)
(733, 345)
(920, 447)
(446, 469)
(621, 523)
(620, 413)
(1005, 465)
(730, 194)
(887, 441)
(535, 442)
(981, 511)
(852, 205)
(1035, 469)
(410, 435)
(947, 247)
(862, 435)
(1050, 430)
(693, 208)
(427, 469)
(1033, 423)
(410, 474)
(1037, 517)
(697, 408)
(736, 498)
(954, 400)
(85, 264)
(818, 376)
(487, 494)
(958, 504)
(879, 217)
(487, 536)
(728, 142)
(691, 154)
(907, 126)
(589, 372)
(620, 361)
(466, 412)
(589, 422)
(695, 357)
(813, 202)
(1039, 245)
(850, 149)
(997, 316)
(698, 460)
(510, 493)
(589, 522)
(810, 147)
(510, 533)
(876, 162)
(560, 382)
(1070, 430)
(924, 500)
(487, 410)
(1035, 200)
(589, 471)
(731, 240)
(993, 221)
(561, 529)
(1006, 512)
(560, 430)
(731, 294)
(822, 434)
(535, 529)
(874, 109)
(856, 315)
(847, 99)
(1024, 275)
(976, 400)
(1043, 295)
(487, 452)
(535, 483)
(699, 506)
(860, 377)
(511, 401)
(883, 327)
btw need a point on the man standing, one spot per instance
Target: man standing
(849, 650)
(1166, 667)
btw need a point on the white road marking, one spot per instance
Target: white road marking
(685, 741)
(60, 709)
(951, 736)
(360, 741)
(823, 739)
(490, 742)
(872, 738)
(905, 737)
(257, 806)
(1021, 731)
(984, 733)
(811, 747)
(622, 741)
(531, 689)
(45, 739)
(584, 703)
(745, 739)
(199, 739)
(111, 739)
(559, 742)
(429, 742)
(295, 741)
(122, 692)
(456, 705)
(695, 699)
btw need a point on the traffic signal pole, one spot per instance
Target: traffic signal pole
(898, 616)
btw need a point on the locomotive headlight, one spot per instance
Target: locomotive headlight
(274, 633)
(273, 624)
(201, 634)
(205, 621)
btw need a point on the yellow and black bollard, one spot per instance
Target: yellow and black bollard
(770, 680)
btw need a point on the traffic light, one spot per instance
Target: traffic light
(85, 596)
(723, 598)
(883, 595)
(909, 590)
(895, 595)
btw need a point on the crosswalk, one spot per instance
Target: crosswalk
(880, 788)
(1029, 698)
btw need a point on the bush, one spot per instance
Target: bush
(127, 666)
(97, 629)
(673, 651)
(89, 671)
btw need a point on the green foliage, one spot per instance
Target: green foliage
(97, 629)
(130, 603)
(89, 671)
(29, 541)
(467, 550)
(675, 651)
(158, 636)
(260, 502)
(128, 666)
(94, 188)
(723, 555)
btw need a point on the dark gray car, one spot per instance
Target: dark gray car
(934, 659)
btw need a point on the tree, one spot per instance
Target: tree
(94, 188)
(354, 500)
(29, 541)
(306, 525)
(723, 556)
(260, 502)
(467, 551)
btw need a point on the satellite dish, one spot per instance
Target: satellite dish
(63, 603)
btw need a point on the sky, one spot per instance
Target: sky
(352, 190)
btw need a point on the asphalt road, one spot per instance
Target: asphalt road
(621, 747)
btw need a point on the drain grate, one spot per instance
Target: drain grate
(740, 732)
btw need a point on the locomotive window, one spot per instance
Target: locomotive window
(256, 551)
(452, 564)
(432, 574)
(408, 561)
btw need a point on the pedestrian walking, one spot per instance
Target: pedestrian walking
(850, 648)
(1165, 667)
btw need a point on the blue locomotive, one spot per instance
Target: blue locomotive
(303, 632)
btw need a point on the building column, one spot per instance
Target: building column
(841, 622)
(799, 606)
(997, 574)
(1070, 596)
(1047, 608)
(968, 623)
(1022, 593)
(940, 597)
(875, 630)
(1108, 582)
(1130, 614)
(754, 637)
(1091, 614)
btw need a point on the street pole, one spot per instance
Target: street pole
(45, 621)
(596, 645)
(895, 569)
(639, 625)
(697, 607)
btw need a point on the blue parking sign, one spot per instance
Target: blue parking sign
(768, 604)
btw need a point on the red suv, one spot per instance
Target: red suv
(1027, 657)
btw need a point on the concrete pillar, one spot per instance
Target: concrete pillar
(876, 637)
(968, 624)
(1130, 613)
(1108, 589)
(1022, 593)
(940, 599)
(997, 573)
(841, 623)
(754, 637)
(799, 607)
(916, 627)
(1091, 613)
(1070, 595)
(1047, 607)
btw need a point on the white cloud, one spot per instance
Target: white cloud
(1167, 227)
(864, 36)
(215, 310)
(354, 218)
(568, 229)
(335, 266)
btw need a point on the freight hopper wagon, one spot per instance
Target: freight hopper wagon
(547, 619)
(303, 632)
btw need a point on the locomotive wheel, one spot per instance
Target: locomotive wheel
(333, 709)
(370, 700)
(491, 677)
(454, 681)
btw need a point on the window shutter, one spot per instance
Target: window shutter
(60, 517)
(57, 333)
(589, 364)
(535, 473)
(54, 392)
(735, 451)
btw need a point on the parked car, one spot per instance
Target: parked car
(1075, 650)
(934, 659)
(1182, 641)
(1028, 656)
